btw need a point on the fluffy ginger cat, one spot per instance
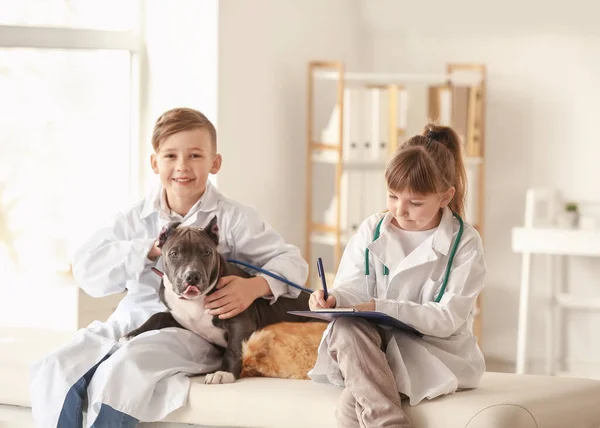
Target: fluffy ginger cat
(285, 350)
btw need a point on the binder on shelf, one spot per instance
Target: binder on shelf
(445, 100)
(402, 119)
(379, 124)
(472, 167)
(396, 135)
(460, 115)
(352, 133)
(329, 216)
(366, 132)
(352, 196)
(375, 193)
(442, 105)
(329, 135)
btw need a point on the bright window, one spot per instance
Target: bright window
(64, 149)
(69, 127)
(89, 14)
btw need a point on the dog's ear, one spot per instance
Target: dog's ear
(212, 230)
(167, 232)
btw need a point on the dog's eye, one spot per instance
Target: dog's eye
(207, 253)
(173, 254)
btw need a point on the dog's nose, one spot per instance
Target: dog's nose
(192, 278)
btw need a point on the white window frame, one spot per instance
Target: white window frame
(12, 36)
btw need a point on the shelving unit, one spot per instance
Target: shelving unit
(468, 80)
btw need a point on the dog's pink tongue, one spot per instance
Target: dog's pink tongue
(192, 289)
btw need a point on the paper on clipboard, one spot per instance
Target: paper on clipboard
(376, 317)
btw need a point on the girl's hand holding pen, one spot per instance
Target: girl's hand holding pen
(317, 301)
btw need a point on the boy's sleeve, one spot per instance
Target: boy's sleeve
(104, 264)
(350, 286)
(255, 242)
(444, 318)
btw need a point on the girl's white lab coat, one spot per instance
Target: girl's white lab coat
(147, 377)
(447, 357)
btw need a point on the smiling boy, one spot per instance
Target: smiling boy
(147, 378)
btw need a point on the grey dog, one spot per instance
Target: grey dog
(192, 268)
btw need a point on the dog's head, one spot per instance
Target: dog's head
(191, 262)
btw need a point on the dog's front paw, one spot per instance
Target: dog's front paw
(219, 377)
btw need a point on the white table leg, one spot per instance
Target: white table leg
(559, 338)
(550, 315)
(523, 313)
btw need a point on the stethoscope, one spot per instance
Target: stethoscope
(386, 271)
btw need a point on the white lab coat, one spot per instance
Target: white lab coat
(147, 377)
(447, 357)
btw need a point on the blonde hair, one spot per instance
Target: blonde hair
(181, 119)
(430, 163)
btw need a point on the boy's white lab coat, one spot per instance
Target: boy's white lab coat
(447, 357)
(147, 377)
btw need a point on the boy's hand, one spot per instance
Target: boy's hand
(234, 294)
(317, 301)
(154, 252)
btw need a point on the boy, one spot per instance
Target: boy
(147, 378)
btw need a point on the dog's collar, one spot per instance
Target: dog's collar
(165, 279)
(159, 273)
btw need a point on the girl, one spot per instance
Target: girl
(420, 264)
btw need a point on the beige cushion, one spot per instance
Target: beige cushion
(502, 400)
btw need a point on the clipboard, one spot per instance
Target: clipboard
(376, 317)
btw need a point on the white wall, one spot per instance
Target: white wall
(264, 50)
(542, 61)
(542, 116)
(181, 39)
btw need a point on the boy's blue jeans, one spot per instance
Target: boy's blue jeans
(71, 415)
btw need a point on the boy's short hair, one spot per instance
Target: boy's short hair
(181, 119)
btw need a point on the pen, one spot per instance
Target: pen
(322, 276)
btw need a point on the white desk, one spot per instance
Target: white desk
(569, 242)
(550, 241)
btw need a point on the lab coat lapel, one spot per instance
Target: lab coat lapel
(424, 253)
(385, 248)
(388, 250)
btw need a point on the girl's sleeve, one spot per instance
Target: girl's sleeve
(351, 286)
(444, 318)
(104, 264)
(254, 241)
